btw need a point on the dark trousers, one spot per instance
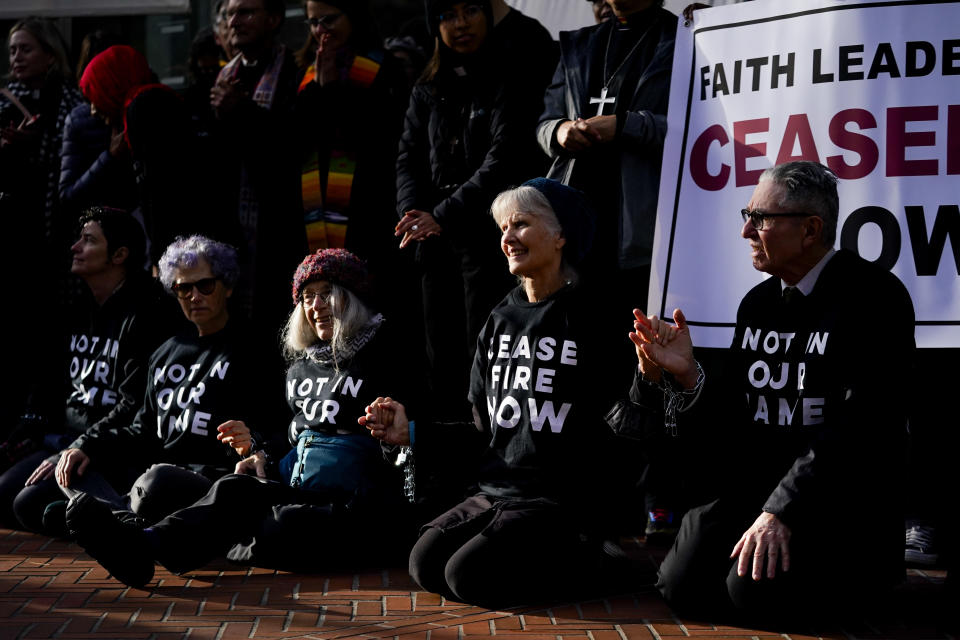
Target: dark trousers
(23, 506)
(499, 553)
(165, 488)
(269, 524)
(828, 567)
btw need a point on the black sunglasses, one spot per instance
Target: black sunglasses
(205, 286)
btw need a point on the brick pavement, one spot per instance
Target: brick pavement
(51, 589)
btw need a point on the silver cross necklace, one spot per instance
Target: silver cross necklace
(603, 100)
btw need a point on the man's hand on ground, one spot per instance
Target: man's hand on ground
(766, 538)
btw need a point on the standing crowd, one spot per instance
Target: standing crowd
(404, 298)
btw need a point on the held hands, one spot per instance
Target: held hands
(577, 135)
(387, 420)
(766, 538)
(236, 434)
(416, 225)
(662, 346)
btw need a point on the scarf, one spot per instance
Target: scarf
(326, 193)
(266, 89)
(325, 354)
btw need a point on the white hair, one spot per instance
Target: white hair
(349, 313)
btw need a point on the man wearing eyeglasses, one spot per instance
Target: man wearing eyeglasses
(806, 420)
(107, 339)
(253, 102)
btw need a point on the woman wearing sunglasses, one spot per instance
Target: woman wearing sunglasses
(340, 493)
(209, 389)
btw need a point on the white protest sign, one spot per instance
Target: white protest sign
(871, 90)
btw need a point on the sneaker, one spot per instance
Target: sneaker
(660, 525)
(121, 547)
(921, 546)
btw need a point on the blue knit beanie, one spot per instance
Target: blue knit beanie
(576, 216)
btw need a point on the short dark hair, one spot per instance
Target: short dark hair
(120, 229)
(812, 187)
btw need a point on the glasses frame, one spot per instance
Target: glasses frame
(758, 218)
(326, 21)
(184, 290)
(469, 12)
(308, 299)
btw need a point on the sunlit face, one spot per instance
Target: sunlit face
(328, 25)
(250, 24)
(317, 309)
(778, 248)
(463, 27)
(90, 254)
(28, 60)
(533, 249)
(207, 311)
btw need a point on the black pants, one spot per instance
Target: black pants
(499, 553)
(830, 566)
(23, 506)
(271, 524)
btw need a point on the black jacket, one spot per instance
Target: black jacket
(89, 175)
(640, 144)
(464, 141)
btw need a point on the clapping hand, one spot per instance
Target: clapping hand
(662, 346)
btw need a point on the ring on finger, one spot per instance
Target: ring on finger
(415, 227)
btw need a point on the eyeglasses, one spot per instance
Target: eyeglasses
(326, 21)
(469, 12)
(310, 297)
(205, 286)
(758, 218)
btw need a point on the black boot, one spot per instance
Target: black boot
(120, 547)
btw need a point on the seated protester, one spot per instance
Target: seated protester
(549, 479)
(813, 417)
(341, 492)
(107, 339)
(206, 386)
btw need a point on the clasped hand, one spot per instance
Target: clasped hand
(577, 135)
(416, 225)
(387, 421)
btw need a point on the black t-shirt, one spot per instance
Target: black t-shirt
(194, 384)
(541, 384)
(329, 399)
